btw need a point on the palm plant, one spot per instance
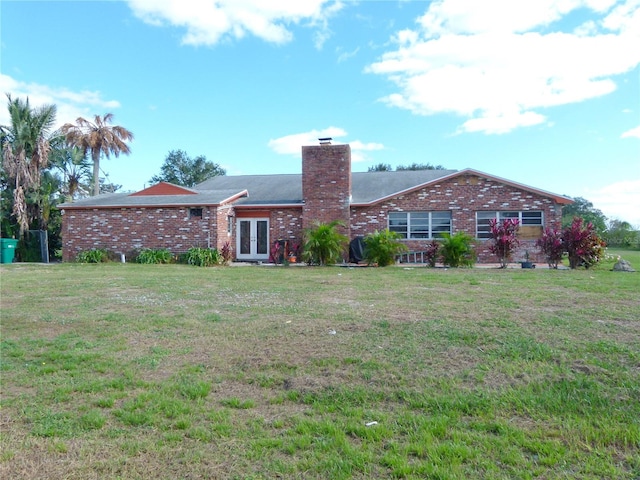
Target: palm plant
(98, 137)
(324, 245)
(25, 153)
(457, 250)
(72, 164)
(381, 247)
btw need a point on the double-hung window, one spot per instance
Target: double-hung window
(420, 225)
(527, 219)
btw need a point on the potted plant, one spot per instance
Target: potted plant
(293, 253)
(527, 263)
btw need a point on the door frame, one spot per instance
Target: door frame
(253, 254)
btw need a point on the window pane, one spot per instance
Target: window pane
(419, 225)
(505, 215)
(532, 218)
(440, 223)
(398, 223)
(482, 224)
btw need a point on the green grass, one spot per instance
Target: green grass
(171, 371)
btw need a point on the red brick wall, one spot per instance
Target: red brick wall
(463, 196)
(286, 224)
(326, 184)
(122, 230)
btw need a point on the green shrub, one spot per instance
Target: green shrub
(154, 256)
(381, 247)
(95, 255)
(324, 245)
(203, 257)
(457, 250)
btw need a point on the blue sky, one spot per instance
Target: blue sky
(542, 92)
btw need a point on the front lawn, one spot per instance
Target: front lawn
(172, 371)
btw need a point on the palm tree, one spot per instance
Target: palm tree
(25, 153)
(72, 163)
(98, 137)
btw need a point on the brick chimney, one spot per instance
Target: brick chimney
(326, 184)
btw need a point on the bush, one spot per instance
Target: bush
(226, 253)
(203, 257)
(457, 250)
(504, 239)
(582, 243)
(381, 247)
(551, 246)
(324, 245)
(154, 256)
(95, 255)
(431, 253)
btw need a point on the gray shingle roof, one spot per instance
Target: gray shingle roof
(203, 197)
(282, 189)
(285, 189)
(366, 187)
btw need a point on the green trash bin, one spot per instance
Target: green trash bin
(7, 249)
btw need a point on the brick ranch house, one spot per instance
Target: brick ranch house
(251, 212)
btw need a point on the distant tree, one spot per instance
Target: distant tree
(621, 234)
(419, 166)
(98, 137)
(584, 209)
(381, 167)
(180, 169)
(108, 187)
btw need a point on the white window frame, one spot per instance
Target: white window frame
(525, 217)
(410, 231)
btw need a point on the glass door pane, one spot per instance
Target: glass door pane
(245, 237)
(263, 237)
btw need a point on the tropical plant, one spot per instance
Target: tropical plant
(98, 137)
(584, 209)
(180, 169)
(154, 256)
(25, 154)
(75, 169)
(203, 257)
(323, 244)
(95, 255)
(431, 253)
(504, 239)
(457, 250)
(551, 246)
(226, 253)
(381, 247)
(582, 243)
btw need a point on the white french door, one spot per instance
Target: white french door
(252, 239)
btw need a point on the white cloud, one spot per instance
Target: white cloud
(633, 133)
(207, 22)
(70, 105)
(291, 144)
(620, 200)
(495, 64)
